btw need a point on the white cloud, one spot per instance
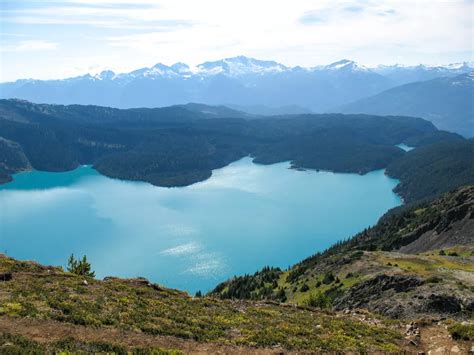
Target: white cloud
(307, 34)
(119, 15)
(303, 32)
(30, 46)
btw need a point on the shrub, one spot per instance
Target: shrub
(328, 278)
(281, 295)
(80, 267)
(319, 300)
(462, 331)
(304, 288)
(434, 279)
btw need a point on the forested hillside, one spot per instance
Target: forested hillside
(430, 170)
(180, 145)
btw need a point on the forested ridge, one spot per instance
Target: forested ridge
(180, 145)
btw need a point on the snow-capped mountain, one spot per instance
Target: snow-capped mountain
(401, 74)
(238, 66)
(345, 65)
(238, 81)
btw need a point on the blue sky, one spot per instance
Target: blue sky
(54, 39)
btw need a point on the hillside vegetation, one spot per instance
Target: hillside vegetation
(430, 170)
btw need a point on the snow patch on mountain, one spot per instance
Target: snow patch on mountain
(237, 66)
(346, 65)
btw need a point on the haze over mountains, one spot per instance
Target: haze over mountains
(270, 88)
(448, 102)
(238, 80)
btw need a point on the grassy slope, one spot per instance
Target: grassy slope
(47, 293)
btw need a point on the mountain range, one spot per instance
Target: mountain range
(240, 81)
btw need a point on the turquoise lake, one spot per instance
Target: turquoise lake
(244, 217)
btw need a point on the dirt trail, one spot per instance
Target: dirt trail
(435, 339)
(47, 331)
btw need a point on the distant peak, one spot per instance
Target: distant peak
(105, 75)
(161, 66)
(240, 65)
(341, 64)
(345, 61)
(345, 64)
(180, 67)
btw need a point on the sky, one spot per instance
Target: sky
(49, 39)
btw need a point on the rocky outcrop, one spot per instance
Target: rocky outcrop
(443, 304)
(379, 287)
(405, 297)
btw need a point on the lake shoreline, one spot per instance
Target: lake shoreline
(192, 237)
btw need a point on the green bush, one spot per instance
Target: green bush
(462, 331)
(328, 278)
(80, 267)
(304, 288)
(318, 300)
(434, 279)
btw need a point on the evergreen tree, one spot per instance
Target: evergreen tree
(80, 266)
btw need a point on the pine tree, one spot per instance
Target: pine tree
(80, 267)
